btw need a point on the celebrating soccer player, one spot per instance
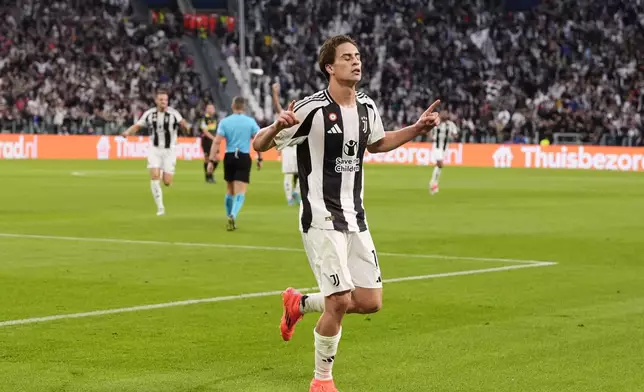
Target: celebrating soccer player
(163, 123)
(440, 136)
(332, 129)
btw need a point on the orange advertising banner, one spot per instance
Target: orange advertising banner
(15, 146)
(520, 155)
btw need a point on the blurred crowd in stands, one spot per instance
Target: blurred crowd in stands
(79, 67)
(506, 75)
(564, 67)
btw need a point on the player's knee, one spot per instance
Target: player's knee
(338, 303)
(371, 306)
(439, 164)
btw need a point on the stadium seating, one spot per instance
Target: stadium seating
(565, 67)
(89, 69)
(564, 70)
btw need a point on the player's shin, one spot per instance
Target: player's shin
(238, 202)
(228, 202)
(157, 194)
(326, 348)
(436, 175)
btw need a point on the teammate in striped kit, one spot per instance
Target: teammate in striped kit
(289, 158)
(163, 123)
(332, 129)
(440, 136)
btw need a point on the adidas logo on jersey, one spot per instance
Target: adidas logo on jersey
(334, 129)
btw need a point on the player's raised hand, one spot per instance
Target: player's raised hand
(276, 88)
(287, 118)
(429, 119)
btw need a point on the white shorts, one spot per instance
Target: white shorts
(438, 154)
(162, 158)
(289, 160)
(342, 261)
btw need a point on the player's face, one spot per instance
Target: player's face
(162, 101)
(210, 110)
(347, 66)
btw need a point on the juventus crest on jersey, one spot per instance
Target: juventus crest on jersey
(331, 141)
(163, 126)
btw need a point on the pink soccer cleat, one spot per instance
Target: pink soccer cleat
(322, 386)
(291, 299)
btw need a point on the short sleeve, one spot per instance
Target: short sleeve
(378, 129)
(298, 133)
(221, 129)
(141, 122)
(177, 115)
(203, 124)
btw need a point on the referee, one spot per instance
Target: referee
(208, 128)
(238, 130)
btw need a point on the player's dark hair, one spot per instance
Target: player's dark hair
(161, 91)
(327, 51)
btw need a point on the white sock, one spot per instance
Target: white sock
(312, 303)
(288, 186)
(436, 175)
(157, 193)
(326, 347)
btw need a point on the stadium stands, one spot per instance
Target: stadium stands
(563, 67)
(75, 69)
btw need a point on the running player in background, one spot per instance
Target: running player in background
(332, 129)
(163, 123)
(289, 159)
(208, 129)
(440, 139)
(238, 130)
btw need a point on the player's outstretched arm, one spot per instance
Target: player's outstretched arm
(131, 130)
(276, 98)
(395, 139)
(185, 126)
(264, 140)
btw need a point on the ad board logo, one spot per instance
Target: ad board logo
(503, 157)
(103, 148)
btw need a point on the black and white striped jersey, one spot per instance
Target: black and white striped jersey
(163, 126)
(442, 133)
(331, 141)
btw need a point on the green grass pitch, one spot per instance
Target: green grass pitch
(577, 326)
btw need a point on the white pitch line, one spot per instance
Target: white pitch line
(256, 247)
(253, 295)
